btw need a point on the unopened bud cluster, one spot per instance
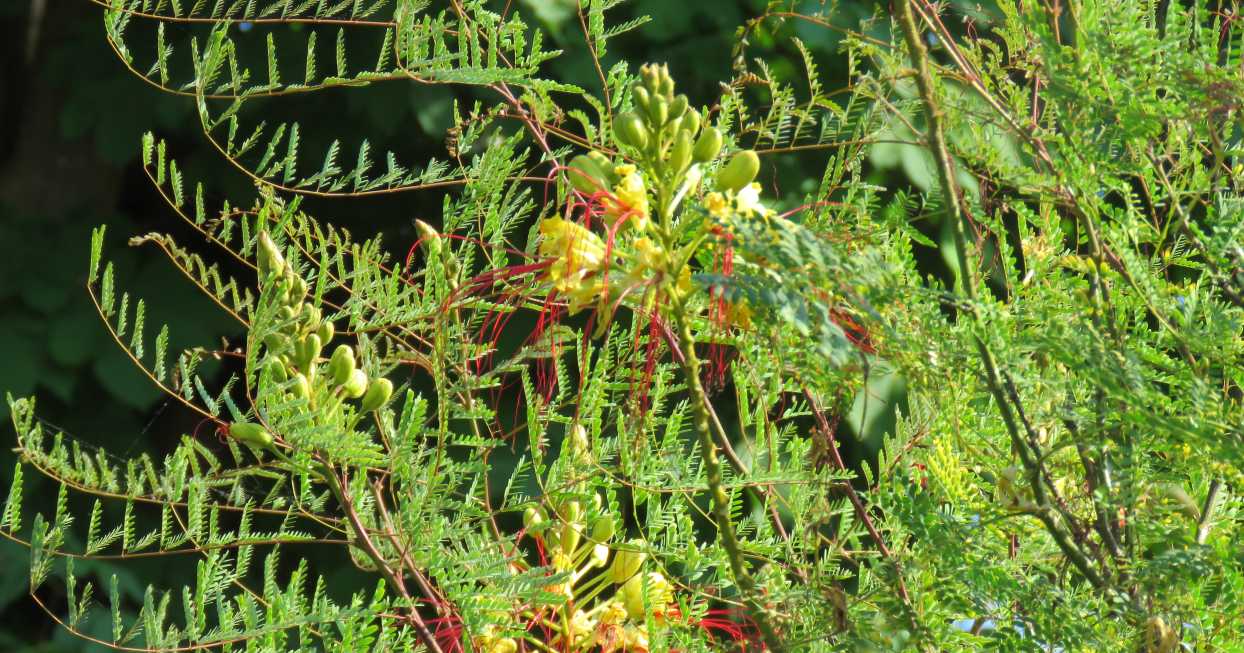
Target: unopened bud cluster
(295, 348)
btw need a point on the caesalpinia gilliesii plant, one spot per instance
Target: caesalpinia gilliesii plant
(621, 433)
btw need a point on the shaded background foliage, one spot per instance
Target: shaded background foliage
(71, 118)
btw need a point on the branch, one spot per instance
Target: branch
(712, 465)
(946, 177)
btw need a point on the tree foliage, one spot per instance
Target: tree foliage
(598, 406)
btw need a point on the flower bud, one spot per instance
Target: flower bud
(532, 517)
(570, 536)
(602, 529)
(429, 238)
(341, 365)
(658, 112)
(377, 395)
(640, 97)
(630, 130)
(311, 317)
(253, 434)
(276, 342)
(586, 175)
(570, 511)
(268, 255)
(690, 122)
(578, 445)
(678, 107)
(707, 146)
(356, 386)
(632, 594)
(503, 645)
(680, 153)
(326, 331)
(667, 82)
(627, 561)
(276, 371)
(739, 171)
(307, 350)
(297, 290)
(651, 74)
(301, 387)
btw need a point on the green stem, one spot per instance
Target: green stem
(712, 465)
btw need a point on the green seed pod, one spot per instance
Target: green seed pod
(602, 529)
(739, 171)
(286, 314)
(651, 75)
(626, 562)
(341, 365)
(678, 107)
(630, 130)
(253, 434)
(680, 153)
(356, 386)
(690, 122)
(377, 395)
(658, 112)
(429, 238)
(667, 82)
(268, 255)
(586, 175)
(707, 146)
(640, 97)
(326, 331)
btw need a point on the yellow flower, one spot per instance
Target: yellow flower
(716, 204)
(747, 201)
(651, 256)
(630, 198)
(577, 253)
(738, 314)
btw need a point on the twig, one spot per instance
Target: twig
(1207, 511)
